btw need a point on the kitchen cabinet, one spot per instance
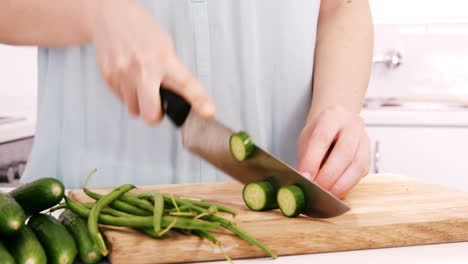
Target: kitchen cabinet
(436, 154)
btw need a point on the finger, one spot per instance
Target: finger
(111, 79)
(129, 92)
(146, 78)
(182, 82)
(149, 100)
(318, 144)
(340, 157)
(355, 172)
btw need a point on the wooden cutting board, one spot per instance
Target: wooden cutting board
(387, 211)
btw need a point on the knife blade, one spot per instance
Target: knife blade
(209, 139)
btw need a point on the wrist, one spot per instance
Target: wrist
(317, 109)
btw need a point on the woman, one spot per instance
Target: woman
(254, 60)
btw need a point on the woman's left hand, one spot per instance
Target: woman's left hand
(347, 162)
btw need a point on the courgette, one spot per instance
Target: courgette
(11, 215)
(58, 243)
(259, 196)
(241, 146)
(78, 228)
(5, 256)
(26, 248)
(291, 200)
(38, 195)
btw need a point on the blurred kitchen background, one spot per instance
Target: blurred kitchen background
(416, 108)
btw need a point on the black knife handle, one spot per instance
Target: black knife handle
(174, 106)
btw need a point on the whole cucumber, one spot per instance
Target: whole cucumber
(11, 215)
(26, 248)
(5, 256)
(58, 243)
(38, 195)
(78, 228)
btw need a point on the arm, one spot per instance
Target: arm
(334, 148)
(135, 55)
(343, 55)
(45, 22)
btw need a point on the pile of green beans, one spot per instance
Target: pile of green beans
(155, 214)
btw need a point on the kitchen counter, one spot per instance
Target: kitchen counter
(410, 117)
(22, 110)
(449, 253)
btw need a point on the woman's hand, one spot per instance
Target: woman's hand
(136, 57)
(348, 160)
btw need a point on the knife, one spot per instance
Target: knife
(209, 139)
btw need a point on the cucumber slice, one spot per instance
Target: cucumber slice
(291, 200)
(259, 196)
(241, 146)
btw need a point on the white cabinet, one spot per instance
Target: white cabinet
(437, 154)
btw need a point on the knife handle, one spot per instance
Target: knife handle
(174, 106)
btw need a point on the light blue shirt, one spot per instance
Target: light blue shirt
(253, 57)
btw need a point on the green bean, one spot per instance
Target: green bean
(210, 237)
(58, 207)
(107, 210)
(226, 224)
(189, 214)
(94, 215)
(207, 205)
(196, 202)
(158, 212)
(140, 221)
(150, 232)
(182, 208)
(119, 205)
(247, 237)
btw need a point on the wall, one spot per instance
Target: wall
(431, 34)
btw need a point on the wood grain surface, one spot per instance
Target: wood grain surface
(387, 211)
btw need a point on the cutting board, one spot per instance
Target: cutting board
(387, 211)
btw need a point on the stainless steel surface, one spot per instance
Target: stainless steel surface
(391, 59)
(210, 140)
(376, 156)
(7, 174)
(415, 104)
(13, 158)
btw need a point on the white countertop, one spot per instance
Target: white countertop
(449, 253)
(406, 117)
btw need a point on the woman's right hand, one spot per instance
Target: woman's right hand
(136, 57)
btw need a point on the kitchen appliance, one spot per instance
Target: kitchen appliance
(387, 211)
(209, 139)
(16, 139)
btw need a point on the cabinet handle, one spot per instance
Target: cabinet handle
(376, 156)
(391, 59)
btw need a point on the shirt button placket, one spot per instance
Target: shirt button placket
(201, 32)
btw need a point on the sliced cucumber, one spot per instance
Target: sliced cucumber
(291, 200)
(241, 146)
(259, 195)
(38, 195)
(58, 243)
